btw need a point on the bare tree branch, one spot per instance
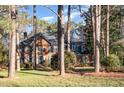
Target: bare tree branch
(52, 11)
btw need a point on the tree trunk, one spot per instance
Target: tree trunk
(107, 32)
(17, 53)
(11, 73)
(97, 36)
(93, 28)
(102, 34)
(34, 32)
(103, 41)
(61, 39)
(17, 47)
(68, 28)
(10, 39)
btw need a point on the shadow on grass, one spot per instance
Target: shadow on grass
(38, 74)
(84, 70)
(3, 76)
(38, 69)
(14, 85)
(47, 70)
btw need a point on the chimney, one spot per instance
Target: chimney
(25, 35)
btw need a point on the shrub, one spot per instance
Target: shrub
(103, 62)
(118, 49)
(27, 65)
(70, 59)
(54, 62)
(111, 63)
(22, 65)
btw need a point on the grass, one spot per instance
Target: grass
(31, 78)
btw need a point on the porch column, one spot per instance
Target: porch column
(46, 57)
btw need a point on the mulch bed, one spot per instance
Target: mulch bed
(104, 74)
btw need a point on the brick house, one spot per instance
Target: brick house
(46, 45)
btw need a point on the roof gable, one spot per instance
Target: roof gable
(50, 38)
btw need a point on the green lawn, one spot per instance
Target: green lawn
(31, 78)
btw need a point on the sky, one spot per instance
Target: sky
(46, 14)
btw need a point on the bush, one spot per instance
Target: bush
(113, 60)
(118, 49)
(27, 65)
(70, 59)
(111, 63)
(103, 62)
(54, 62)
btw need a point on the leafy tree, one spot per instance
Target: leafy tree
(42, 26)
(3, 55)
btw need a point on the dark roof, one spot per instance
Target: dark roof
(49, 37)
